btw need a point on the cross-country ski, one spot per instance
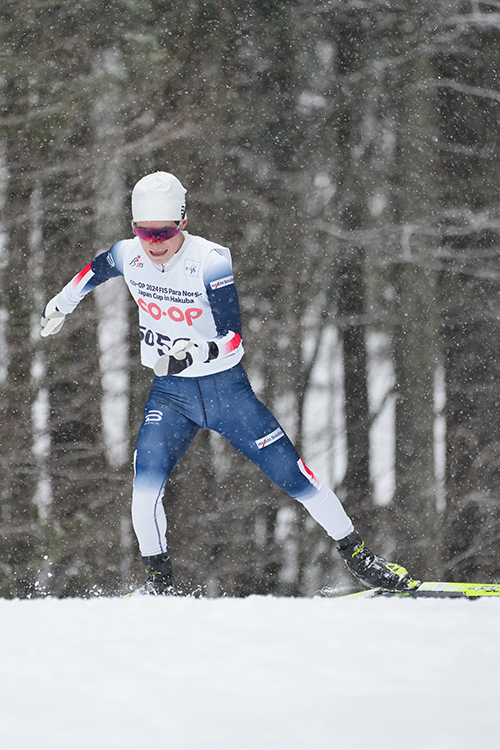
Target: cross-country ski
(431, 589)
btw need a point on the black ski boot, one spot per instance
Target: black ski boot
(373, 571)
(160, 580)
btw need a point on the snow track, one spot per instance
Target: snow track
(260, 673)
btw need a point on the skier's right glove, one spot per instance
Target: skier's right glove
(52, 319)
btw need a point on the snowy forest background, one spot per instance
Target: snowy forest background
(348, 154)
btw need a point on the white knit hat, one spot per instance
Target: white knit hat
(158, 197)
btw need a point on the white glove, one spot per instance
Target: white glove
(182, 355)
(52, 319)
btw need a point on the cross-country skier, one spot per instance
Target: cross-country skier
(190, 330)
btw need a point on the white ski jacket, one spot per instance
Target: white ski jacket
(193, 296)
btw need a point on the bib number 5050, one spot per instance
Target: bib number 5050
(152, 338)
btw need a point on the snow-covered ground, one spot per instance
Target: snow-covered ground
(260, 673)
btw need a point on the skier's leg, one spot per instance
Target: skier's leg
(252, 429)
(164, 437)
(249, 426)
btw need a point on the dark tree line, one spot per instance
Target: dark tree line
(348, 154)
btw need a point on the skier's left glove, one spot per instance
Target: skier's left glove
(183, 354)
(52, 319)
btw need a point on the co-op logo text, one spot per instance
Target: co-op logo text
(174, 313)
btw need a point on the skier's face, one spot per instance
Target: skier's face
(161, 252)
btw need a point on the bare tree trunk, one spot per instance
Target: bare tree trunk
(416, 333)
(18, 468)
(111, 201)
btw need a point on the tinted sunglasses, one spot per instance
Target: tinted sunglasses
(156, 235)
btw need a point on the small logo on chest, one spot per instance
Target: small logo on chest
(192, 268)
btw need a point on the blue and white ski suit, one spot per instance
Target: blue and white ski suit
(193, 296)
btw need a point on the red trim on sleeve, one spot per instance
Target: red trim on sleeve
(232, 344)
(81, 275)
